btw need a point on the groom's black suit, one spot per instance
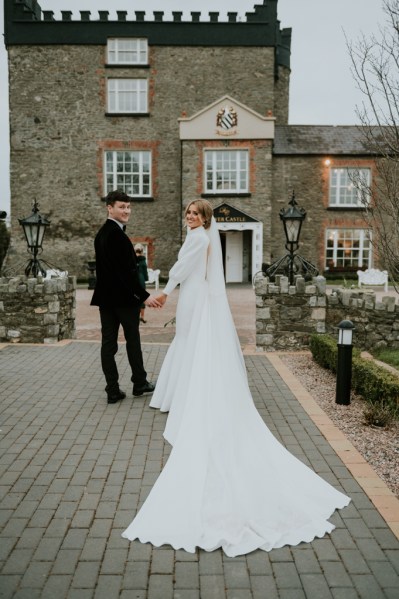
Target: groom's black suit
(118, 294)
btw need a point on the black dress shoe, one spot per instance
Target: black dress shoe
(146, 388)
(114, 397)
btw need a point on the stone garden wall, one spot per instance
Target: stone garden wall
(287, 315)
(37, 310)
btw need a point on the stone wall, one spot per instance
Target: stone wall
(376, 322)
(37, 310)
(287, 315)
(281, 96)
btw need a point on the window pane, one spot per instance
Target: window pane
(349, 186)
(127, 51)
(226, 171)
(129, 171)
(127, 95)
(347, 248)
(110, 183)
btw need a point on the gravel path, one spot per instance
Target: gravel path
(379, 446)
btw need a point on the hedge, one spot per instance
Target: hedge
(4, 241)
(370, 381)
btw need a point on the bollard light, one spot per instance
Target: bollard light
(344, 362)
(345, 331)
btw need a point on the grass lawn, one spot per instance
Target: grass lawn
(390, 356)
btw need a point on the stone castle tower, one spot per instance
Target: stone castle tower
(63, 128)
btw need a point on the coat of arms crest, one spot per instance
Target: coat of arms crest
(226, 118)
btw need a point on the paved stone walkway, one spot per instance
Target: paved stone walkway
(74, 470)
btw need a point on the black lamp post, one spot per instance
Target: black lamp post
(292, 218)
(344, 362)
(34, 227)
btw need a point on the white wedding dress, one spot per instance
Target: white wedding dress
(228, 482)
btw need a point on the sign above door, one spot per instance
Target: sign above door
(227, 214)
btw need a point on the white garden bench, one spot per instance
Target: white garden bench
(153, 277)
(55, 272)
(373, 276)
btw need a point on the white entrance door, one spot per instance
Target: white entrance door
(234, 257)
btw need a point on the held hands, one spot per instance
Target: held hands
(161, 298)
(153, 302)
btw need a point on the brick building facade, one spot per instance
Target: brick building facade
(170, 111)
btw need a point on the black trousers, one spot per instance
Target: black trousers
(111, 319)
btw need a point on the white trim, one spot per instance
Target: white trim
(231, 100)
(203, 124)
(257, 241)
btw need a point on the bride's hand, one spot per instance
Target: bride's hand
(162, 298)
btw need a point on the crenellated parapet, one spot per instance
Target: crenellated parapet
(30, 10)
(259, 28)
(24, 10)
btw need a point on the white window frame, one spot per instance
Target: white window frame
(124, 178)
(342, 235)
(133, 50)
(145, 250)
(349, 187)
(127, 96)
(219, 162)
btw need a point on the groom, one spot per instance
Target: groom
(119, 295)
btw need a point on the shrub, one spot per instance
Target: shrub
(4, 241)
(380, 415)
(324, 351)
(372, 382)
(340, 275)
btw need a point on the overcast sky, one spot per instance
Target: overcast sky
(322, 90)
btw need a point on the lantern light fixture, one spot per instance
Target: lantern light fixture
(292, 218)
(345, 332)
(34, 227)
(292, 263)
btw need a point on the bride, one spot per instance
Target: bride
(228, 482)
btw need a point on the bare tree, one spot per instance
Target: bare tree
(375, 66)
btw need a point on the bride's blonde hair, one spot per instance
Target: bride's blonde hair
(205, 210)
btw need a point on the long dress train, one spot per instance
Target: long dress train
(228, 482)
